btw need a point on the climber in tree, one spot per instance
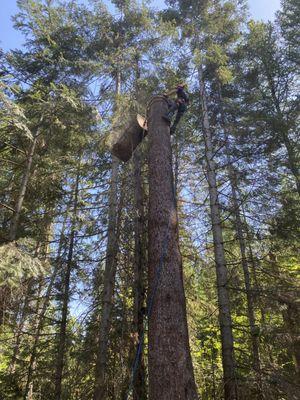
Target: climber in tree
(179, 105)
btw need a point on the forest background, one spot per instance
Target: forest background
(73, 234)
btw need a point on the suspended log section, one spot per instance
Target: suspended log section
(129, 137)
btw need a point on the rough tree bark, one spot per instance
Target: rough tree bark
(109, 279)
(230, 387)
(170, 366)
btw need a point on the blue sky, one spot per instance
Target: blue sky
(9, 38)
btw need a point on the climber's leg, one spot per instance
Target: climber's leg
(181, 110)
(173, 106)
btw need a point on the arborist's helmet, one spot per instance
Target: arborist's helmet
(181, 93)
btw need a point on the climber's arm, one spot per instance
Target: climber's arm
(170, 93)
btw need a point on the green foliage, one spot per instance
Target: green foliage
(61, 89)
(18, 263)
(12, 115)
(289, 21)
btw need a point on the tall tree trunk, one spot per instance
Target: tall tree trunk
(242, 245)
(36, 312)
(109, 278)
(291, 318)
(60, 362)
(253, 263)
(139, 388)
(5, 294)
(248, 286)
(23, 188)
(23, 313)
(230, 387)
(170, 366)
(257, 289)
(41, 251)
(41, 316)
(213, 370)
(22, 318)
(139, 382)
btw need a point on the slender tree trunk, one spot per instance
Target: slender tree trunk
(170, 366)
(253, 262)
(230, 386)
(139, 388)
(291, 317)
(257, 290)
(60, 362)
(213, 370)
(254, 266)
(41, 250)
(29, 385)
(23, 188)
(5, 295)
(30, 392)
(139, 383)
(248, 287)
(242, 245)
(40, 325)
(20, 326)
(109, 279)
(39, 328)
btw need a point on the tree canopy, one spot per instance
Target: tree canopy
(77, 232)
